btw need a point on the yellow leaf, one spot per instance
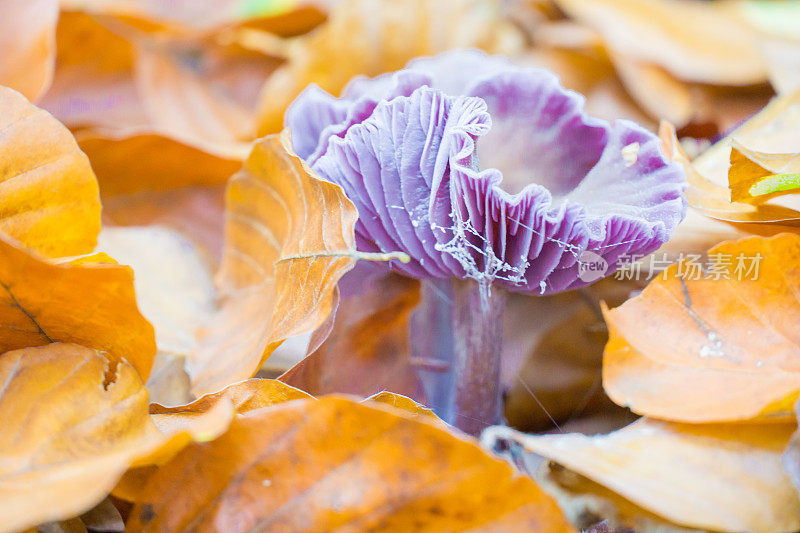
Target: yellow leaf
(48, 193)
(361, 38)
(693, 40)
(91, 304)
(719, 477)
(756, 177)
(319, 465)
(289, 238)
(714, 200)
(692, 348)
(27, 39)
(73, 427)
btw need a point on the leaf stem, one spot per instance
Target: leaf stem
(364, 256)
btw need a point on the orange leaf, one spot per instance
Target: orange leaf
(356, 41)
(73, 426)
(711, 350)
(48, 193)
(27, 39)
(245, 396)
(87, 303)
(130, 162)
(315, 465)
(289, 238)
(718, 477)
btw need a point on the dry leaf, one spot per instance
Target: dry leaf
(84, 302)
(712, 350)
(756, 177)
(289, 238)
(93, 82)
(173, 284)
(362, 467)
(656, 90)
(245, 396)
(791, 457)
(133, 162)
(714, 200)
(774, 129)
(175, 293)
(368, 349)
(79, 425)
(195, 212)
(695, 41)
(361, 37)
(48, 193)
(202, 93)
(713, 477)
(27, 39)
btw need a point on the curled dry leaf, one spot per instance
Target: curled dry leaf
(93, 83)
(78, 425)
(695, 41)
(48, 193)
(368, 349)
(362, 38)
(135, 162)
(175, 293)
(713, 200)
(242, 397)
(774, 129)
(756, 177)
(28, 42)
(88, 303)
(719, 477)
(202, 92)
(693, 348)
(289, 237)
(197, 213)
(173, 284)
(363, 467)
(137, 135)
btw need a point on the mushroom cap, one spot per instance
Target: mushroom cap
(556, 185)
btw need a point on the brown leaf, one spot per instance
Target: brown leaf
(48, 193)
(368, 349)
(712, 350)
(289, 238)
(719, 477)
(84, 302)
(356, 40)
(384, 471)
(27, 39)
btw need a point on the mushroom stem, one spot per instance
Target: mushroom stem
(477, 315)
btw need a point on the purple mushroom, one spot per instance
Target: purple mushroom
(487, 172)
